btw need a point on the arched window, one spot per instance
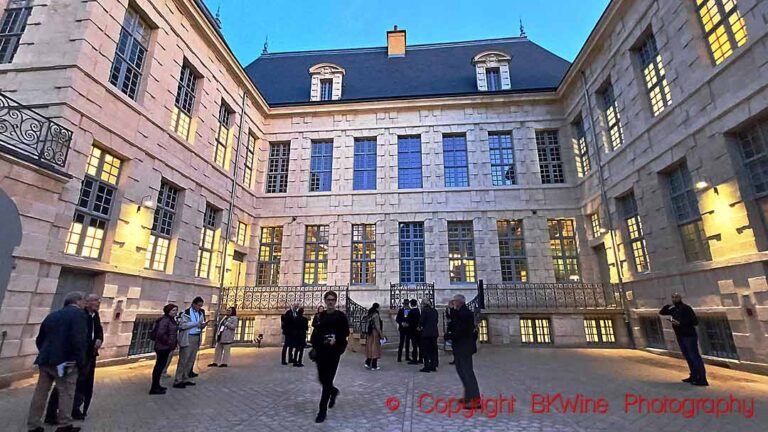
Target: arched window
(326, 82)
(492, 69)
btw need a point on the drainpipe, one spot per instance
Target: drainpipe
(608, 218)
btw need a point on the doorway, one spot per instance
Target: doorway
(71, 280)
(602, 263)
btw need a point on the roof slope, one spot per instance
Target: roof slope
(425, 71)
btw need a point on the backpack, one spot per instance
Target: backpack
(155, 329)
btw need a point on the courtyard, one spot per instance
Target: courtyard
(256, 393)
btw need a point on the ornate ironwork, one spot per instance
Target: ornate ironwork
(402, 291)
(356, 314)
(273, 298)
(552, 296)
(29, 132)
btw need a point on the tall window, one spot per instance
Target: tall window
(752, 146)
(594, 220)
(270, 252)
(222, 137)
(611, 118)
(364, 254)
(205, 250)
(724, 27)
(409, 162)
(94, 206)
(635, 233)
(685, 206)
(365, 164)
(580, 148)
(502, 158)
(242, 233)
(455, 161)
(535, 331)
(514, 264)
(562, 242)
(654, 75)
(412, 258)
(550, 162)
(321, 166)
(326, 89)
(129, 54)
(181, 118)
(316, 255)
(277, 169)
(12, 27)
(162, 228)
(461, 251)
(250, 151)
(599, 330)
(493, 79)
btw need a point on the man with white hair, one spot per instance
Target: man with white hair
(464, 346)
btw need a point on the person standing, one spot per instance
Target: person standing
(317, 314)
(286, 324)
(373, 338)
(191, 323)
(225, 337)
(464, 347)
(299, 337)
(329, 340)
(414, 316)
(402, 328)
(450, 313)
(62, 344)
(429, 334)
(165, 334)
(197, 313)
(684, 323)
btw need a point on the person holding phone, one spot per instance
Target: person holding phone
(684, 323)
(329, 341)
(191, 324)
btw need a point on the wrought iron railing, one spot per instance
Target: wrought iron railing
(551, 296)
(30, 133)
(402, 291)
(279, 297)
(356, 314)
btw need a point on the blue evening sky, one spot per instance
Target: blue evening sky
(561, 26)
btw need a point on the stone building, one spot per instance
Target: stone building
(139, 160)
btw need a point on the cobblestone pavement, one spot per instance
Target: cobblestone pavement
(257, 394)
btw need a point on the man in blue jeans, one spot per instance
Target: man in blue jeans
(684, 323)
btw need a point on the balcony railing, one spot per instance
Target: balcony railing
(26, 132)
(271, 298)
(551, 296)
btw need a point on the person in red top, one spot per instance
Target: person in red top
(166, 338)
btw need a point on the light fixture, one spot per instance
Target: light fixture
(602, 231)
(701, 185)
(146, 201)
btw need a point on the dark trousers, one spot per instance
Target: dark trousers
(689, 346)
(288, 347)
(327, 365)
(83, 391)
(160, 362)
(405, 340)
(429, 352)
(298, 349)
(467, 375)
(416, 354)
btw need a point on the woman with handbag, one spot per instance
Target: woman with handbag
(373, 338)
(225, 336)
(165, 335)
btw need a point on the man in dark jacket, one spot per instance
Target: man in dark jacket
(414, 316)
(429, 333)
(61, 344)
(684, 323)
(329, 341)
(288, 324)
(402, 327)
(464, 347)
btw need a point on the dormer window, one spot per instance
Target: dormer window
(326, 82)
(492, 70)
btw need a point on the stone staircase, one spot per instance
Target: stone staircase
(357, 342)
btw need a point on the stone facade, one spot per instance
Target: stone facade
(62, 69)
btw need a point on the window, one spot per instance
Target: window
(597, 228)
(635, 233)
(580, 148)
(653, 332)
(222, 137)
(140, 341)
(550, 162)
(502, 158)
(482, 330)
(321, 167)
(94, 205)
(409, 162)
(724, 27)
(326, 89)
(493, 79)
(685, 207)
(242, 233)
(514, 264)
(535, 331)
(129, 54)
(455, 161)
(716, 337)
(277, 170)
(181, 118)
(12, 27)
(599, 330)
(365, 164)
(612, 119)
(316, 255)
(250, 151)
(364, 254)
(412, 258)
(752, 144)
(562, 242)
(205, 250)
(162, 228)
(270, 252)
(326, 82)
(654, 75)
(461, 251)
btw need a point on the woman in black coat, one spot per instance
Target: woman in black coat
(300, 328)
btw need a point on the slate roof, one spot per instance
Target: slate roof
(435, 70)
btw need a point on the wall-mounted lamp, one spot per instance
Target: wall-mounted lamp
(705, 184)
(146, 201)
(602, 231)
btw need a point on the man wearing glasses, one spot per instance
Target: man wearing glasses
(329, 340)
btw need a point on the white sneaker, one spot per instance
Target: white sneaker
(366, 366)
(376, 368)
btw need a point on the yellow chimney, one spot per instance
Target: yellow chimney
(396, 43)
